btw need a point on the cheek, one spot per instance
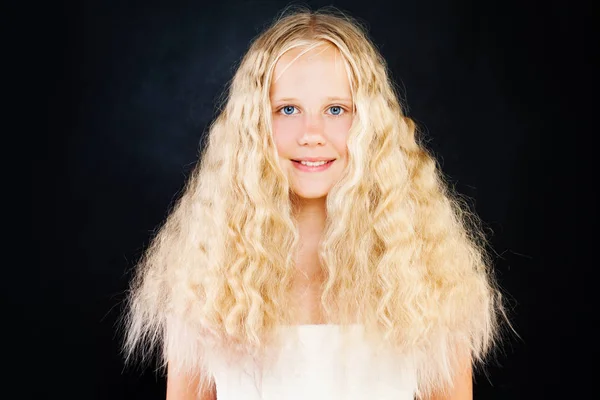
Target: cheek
(284, 132)
(338, 134)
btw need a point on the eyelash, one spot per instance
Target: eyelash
(330, 107)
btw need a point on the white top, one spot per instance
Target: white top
(313, 368)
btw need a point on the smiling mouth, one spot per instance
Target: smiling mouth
(313, 162)
(312, 166)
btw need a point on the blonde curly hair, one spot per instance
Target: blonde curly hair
(402, 254)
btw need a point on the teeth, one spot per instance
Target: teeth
(313, 164)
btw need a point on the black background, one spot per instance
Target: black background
(122, 92)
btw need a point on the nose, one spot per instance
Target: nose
(314, 134)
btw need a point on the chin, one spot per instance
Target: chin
(313, 197)
(311, 194)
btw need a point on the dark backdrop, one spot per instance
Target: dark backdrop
(503, 89)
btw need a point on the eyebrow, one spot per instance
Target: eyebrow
(330, 98)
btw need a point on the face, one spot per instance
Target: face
(311, 102)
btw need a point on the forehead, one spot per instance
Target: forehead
(304, 70)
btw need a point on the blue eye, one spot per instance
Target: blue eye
(288, 110)
(336, 110)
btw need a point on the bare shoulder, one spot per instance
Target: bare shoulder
(182, 386)
(462, 385)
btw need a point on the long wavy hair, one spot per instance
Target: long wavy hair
(402, 253)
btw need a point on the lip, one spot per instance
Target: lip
(313, 159)
(319, 168)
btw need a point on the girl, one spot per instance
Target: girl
(316, 251)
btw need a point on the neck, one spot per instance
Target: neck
(311, 215)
